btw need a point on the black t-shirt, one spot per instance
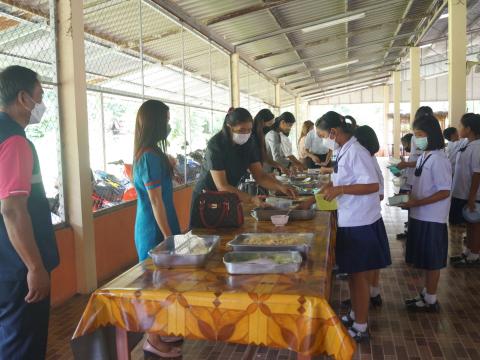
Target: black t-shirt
(222, 154)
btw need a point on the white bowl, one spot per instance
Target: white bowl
(279, 220)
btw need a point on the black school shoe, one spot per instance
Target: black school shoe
(375, 301)
(457, 258)
(359, 336)
(402, 236)
(422, 306)
(347, 320)
(465, 263)
(420, 297)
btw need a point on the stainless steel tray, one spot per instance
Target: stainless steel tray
(176, 251)
(262, 262)
(302, 244)
(264, 214)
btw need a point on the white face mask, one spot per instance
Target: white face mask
(36, 113)
(240, 139)
(331, 144)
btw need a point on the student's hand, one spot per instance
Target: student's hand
(326, 170)
(316, 159)
(471, 205)
(38, 283)
(299, 167)
(332, 192)
(409, 204)
(401, 165)
(306, 205)
(284, 170)
(258, 202)
(287, 190)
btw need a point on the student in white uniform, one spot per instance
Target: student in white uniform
(466, 192)
(368, 139)
(455, 143)
(317, 152)
(427, 241)
(275, 150)
(362, 244)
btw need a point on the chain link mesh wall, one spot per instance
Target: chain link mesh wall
(27, 39)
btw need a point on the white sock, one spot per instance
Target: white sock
(424, 291)
(430, 299)
(466, 251)
(352, 314)
(473, 257)
(360, 327)
(374, 291)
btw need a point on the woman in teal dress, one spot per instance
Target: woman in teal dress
(156, 217)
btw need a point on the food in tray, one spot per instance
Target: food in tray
(397, 200)
(187, 244)
(263, 258)
(273, 239)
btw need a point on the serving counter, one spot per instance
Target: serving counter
(289, 311)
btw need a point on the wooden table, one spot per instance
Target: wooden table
(288, 311)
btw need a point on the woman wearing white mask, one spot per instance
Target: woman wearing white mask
(230, 154)
(362, 243)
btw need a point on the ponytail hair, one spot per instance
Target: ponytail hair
(333, 120)
(234, 117)
(367, 137)
(287, 116)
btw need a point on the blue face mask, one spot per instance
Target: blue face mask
(421, 143)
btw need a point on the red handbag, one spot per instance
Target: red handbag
(219, 210)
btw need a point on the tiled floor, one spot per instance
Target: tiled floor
(452, 334)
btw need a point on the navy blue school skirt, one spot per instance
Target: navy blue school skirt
(427, 245)
(455, 217)
(362, 248)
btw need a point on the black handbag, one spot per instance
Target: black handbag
(218, 209)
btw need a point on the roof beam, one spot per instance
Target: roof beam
(265, 5)
(351, 73)
(289, 29)
(399, 26)
(346, 85)
(343, 81)
(336, 52)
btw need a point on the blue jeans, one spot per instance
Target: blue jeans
(23, 326)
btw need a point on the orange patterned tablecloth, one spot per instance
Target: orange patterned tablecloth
(285, 311)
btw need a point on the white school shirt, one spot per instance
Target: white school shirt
(452, 150)
(381, 190)
(286, 145)
(436, 176)
(356, 166)
(414, 155)
(467, 163)
(273, 142)
(315, 144)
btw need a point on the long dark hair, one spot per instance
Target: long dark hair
(287, 116)
(430, 125)
(332, 119)
(234, 117)
(423, 110)
(263, 116)
(472, 121)
(151, 130)
(367, 137)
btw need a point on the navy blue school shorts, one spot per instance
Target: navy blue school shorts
(427, 245)
(362, 248)
(23, 326)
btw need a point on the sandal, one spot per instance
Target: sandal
(347, 320)
(423, 306)
(174, 353)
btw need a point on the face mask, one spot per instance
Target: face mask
(331, 143)
(240, 139)
(36, 113)
(421, 143)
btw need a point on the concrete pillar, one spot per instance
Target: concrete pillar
(235, 79)
(397, 94)
(457, 50)
(386, 110)
(72, 94)
(298, 116)
(278, 102)
(414, 82)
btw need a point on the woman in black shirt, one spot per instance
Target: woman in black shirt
(230, 154)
